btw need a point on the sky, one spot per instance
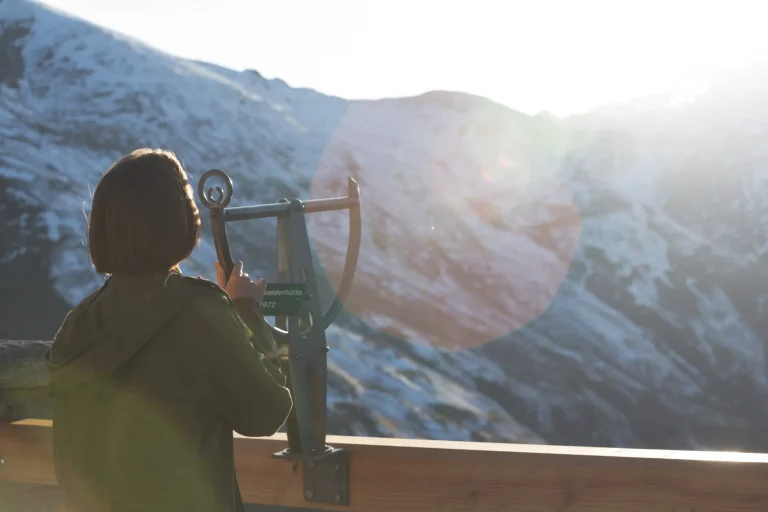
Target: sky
(562, 56)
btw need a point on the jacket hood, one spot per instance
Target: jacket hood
(111, 325)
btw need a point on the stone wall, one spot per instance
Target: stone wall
(23, 380)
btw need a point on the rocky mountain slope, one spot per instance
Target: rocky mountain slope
(593, 281)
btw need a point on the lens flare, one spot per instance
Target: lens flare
(466, 238)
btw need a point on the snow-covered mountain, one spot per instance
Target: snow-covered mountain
(576, 281)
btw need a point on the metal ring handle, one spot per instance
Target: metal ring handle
(207, 197)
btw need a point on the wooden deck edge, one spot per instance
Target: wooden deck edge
(421, 476)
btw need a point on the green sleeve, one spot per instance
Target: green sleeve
(250, 312)
(251, 393)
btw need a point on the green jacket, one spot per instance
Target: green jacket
(150, 376)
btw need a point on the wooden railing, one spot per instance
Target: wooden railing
(396, 475)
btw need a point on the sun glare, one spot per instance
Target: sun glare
(562, 56)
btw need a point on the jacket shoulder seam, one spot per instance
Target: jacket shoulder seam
(203, 283)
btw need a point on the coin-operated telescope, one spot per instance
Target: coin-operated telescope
(300, 322)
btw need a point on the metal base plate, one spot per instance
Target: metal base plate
(326, 475)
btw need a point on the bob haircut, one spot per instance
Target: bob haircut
(143, 219)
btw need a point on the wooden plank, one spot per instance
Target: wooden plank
(422, 476)
(16, 497)
(26, 453)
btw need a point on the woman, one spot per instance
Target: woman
(153, 371)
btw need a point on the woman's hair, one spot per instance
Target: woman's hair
(143, 219)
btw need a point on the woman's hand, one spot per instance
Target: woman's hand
(239, 285)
